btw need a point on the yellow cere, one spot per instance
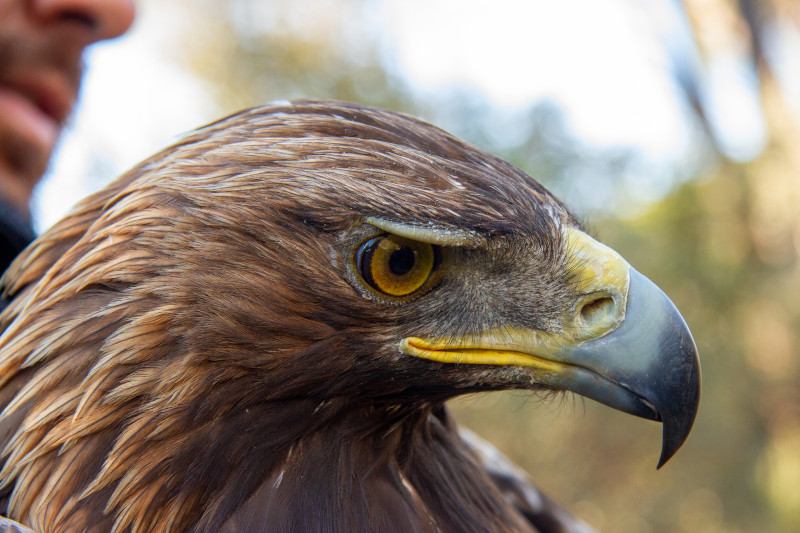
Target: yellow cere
(595, 266)
(601, 277)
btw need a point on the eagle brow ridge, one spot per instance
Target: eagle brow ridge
(430, 234)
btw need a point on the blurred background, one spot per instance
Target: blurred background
(671, 128)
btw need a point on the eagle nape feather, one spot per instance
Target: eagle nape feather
(256, 329)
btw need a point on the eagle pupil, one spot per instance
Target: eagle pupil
(402, 261)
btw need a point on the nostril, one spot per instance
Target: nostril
(81, 18)
(104, 19)
(598, 311)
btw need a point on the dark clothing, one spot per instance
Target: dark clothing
(16, 232)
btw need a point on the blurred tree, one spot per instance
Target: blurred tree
(252, 52)
(724, 245)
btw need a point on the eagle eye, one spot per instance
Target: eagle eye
(395, 265)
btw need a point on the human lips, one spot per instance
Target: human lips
(35, 107)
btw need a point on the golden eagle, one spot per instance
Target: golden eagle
(257, 328)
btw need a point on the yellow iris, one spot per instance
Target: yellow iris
(395, 265)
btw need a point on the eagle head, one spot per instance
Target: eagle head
(274, 309)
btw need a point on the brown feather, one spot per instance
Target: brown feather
(185, 350)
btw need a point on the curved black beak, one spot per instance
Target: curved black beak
(648, 365)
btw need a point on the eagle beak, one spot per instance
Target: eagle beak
(623, 343)
(650, 361)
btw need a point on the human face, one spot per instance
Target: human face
(41, 44)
